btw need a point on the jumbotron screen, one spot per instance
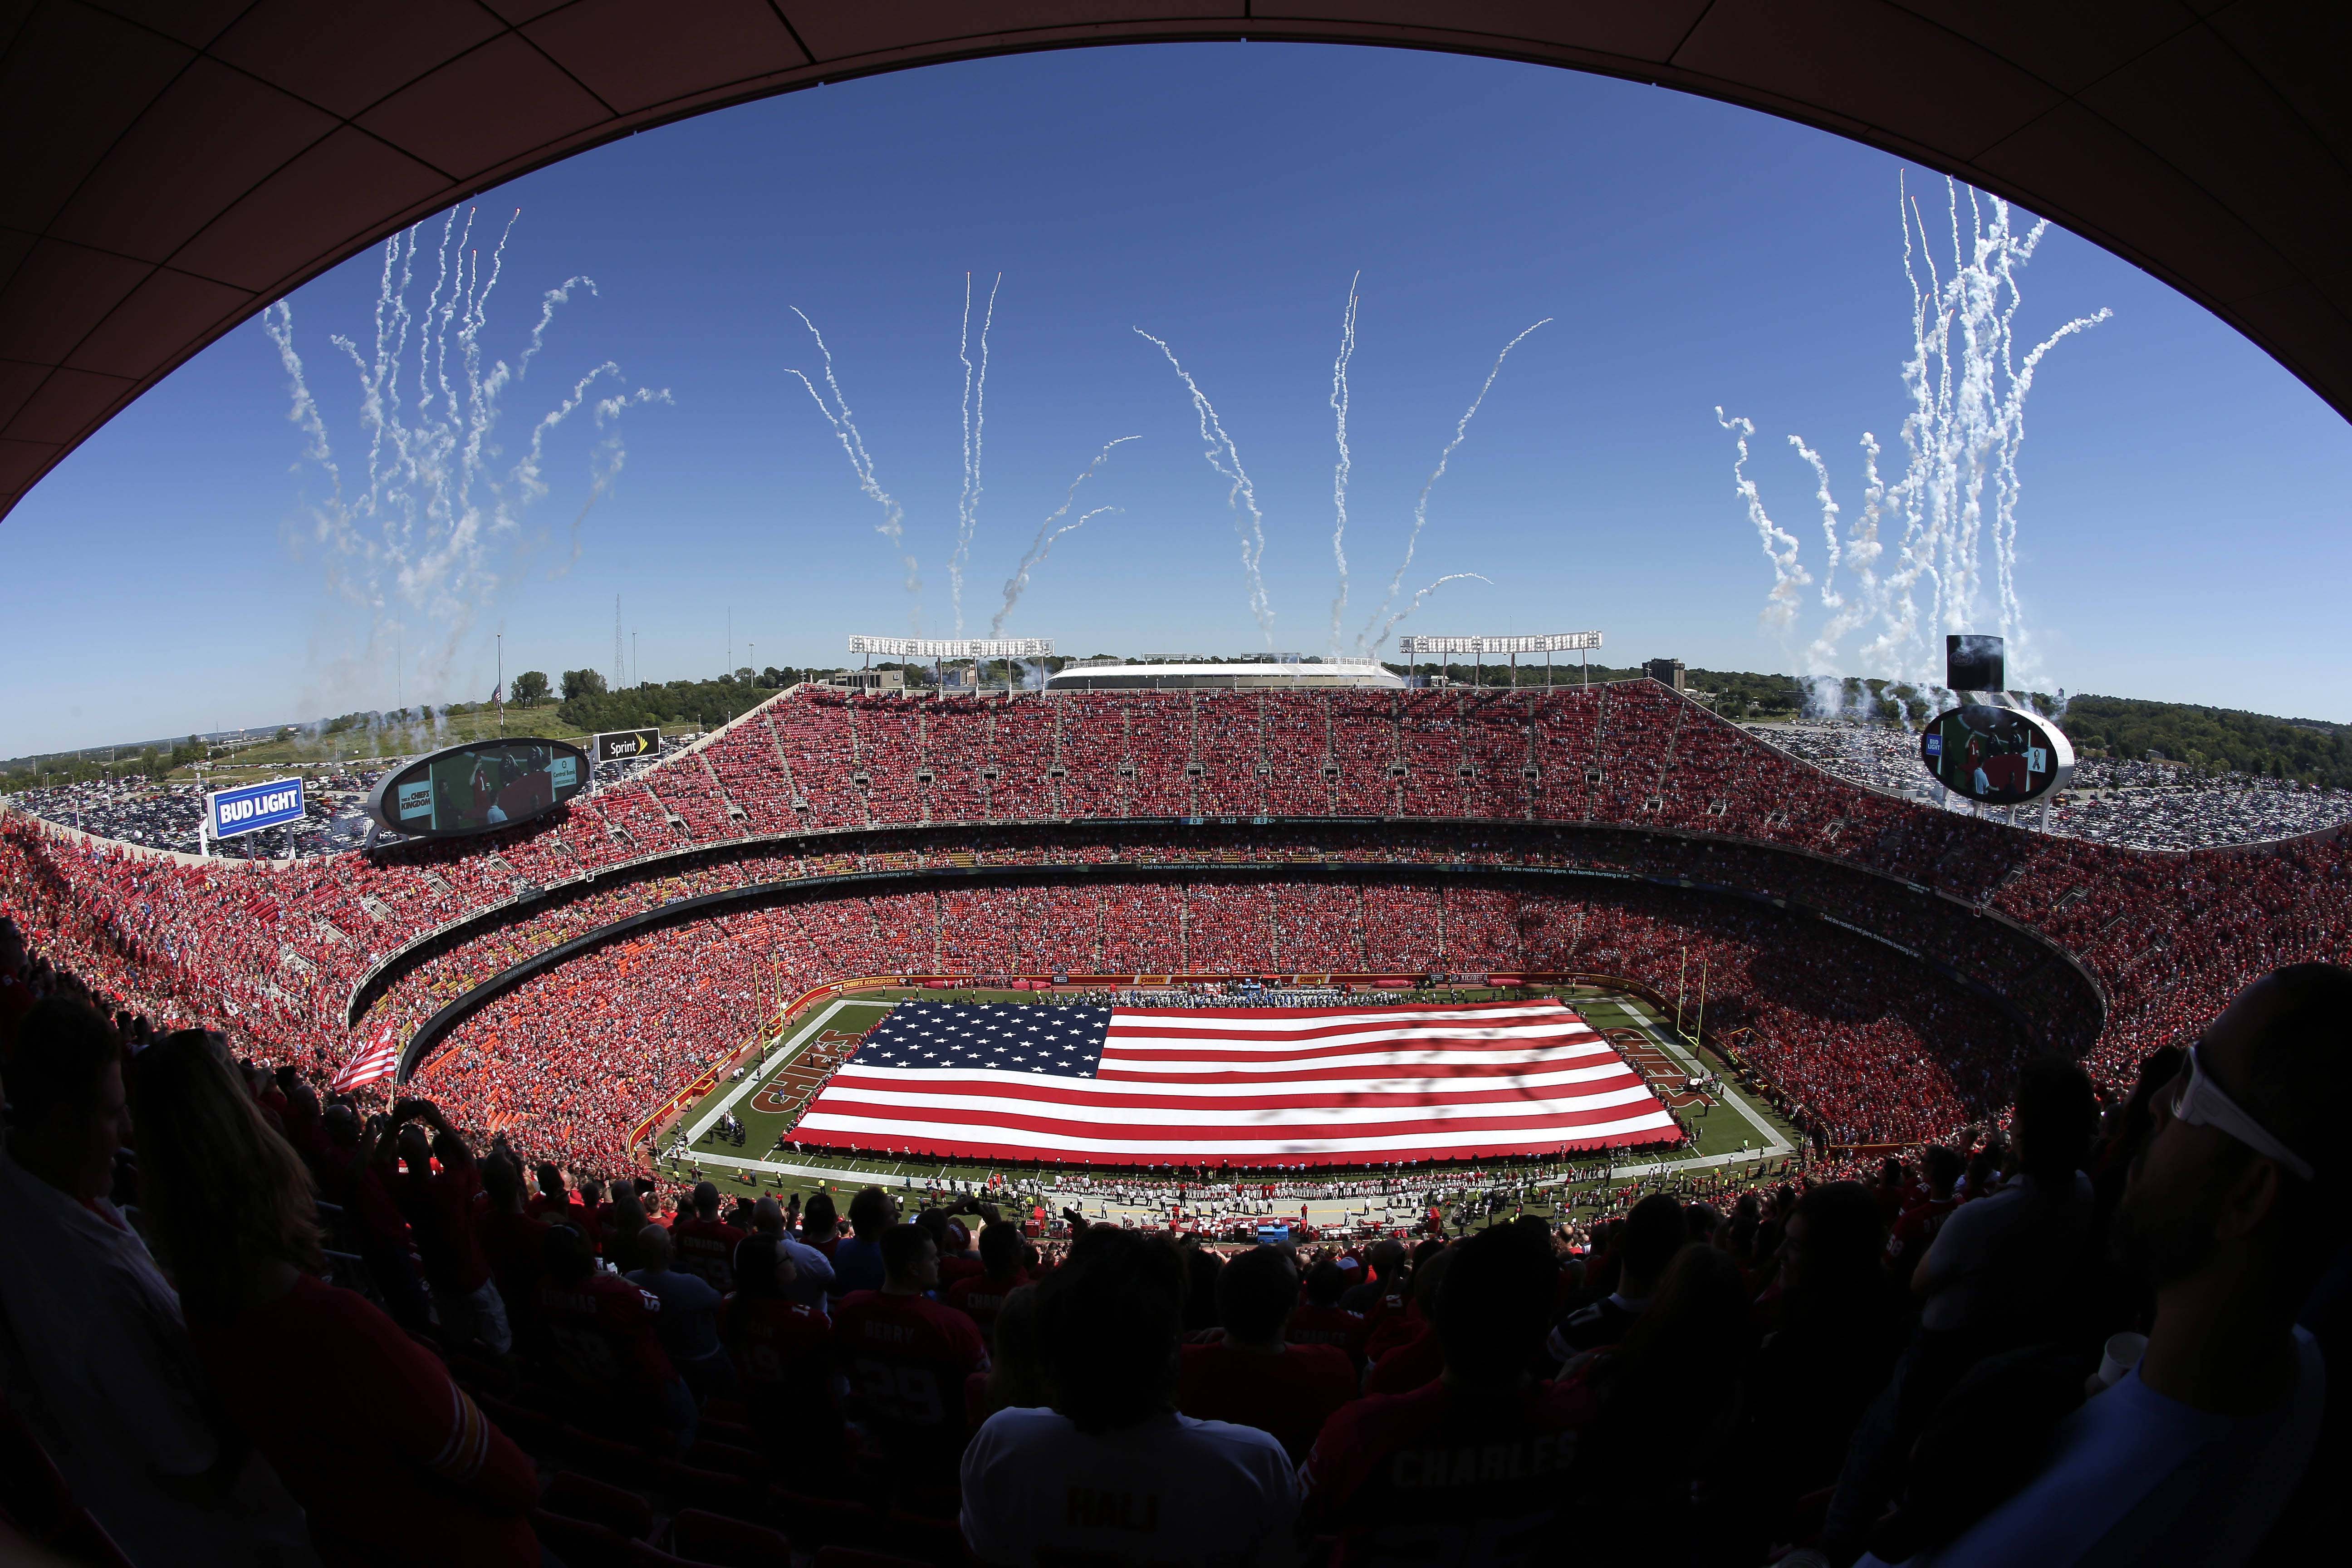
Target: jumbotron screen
(2001, 756)
(476, 787)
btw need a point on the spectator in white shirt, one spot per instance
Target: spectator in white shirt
(1111, 1470)
(97, 1354)
(2190, 1457)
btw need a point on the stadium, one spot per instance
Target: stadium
(1140, 995)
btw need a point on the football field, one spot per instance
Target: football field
(1732, 1130)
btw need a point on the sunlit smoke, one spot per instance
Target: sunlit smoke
(893, 526)
(1368, 642)
(975, 428)
(425, 528)
(1415, 601)
(1048, 533)
(1223, 458)
(1340, 470)
(1967, 388)
(1789, 579)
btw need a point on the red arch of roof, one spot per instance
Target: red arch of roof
(168, 167)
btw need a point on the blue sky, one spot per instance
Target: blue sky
(2181, 530)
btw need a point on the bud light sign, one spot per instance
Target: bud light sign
(255, 808)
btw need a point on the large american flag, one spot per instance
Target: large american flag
(1246, 1086)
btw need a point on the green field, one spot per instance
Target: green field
(1723, 1131)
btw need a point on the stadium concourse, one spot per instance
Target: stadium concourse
(1991, 1007)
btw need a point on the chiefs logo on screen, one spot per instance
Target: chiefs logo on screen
(831, 1047)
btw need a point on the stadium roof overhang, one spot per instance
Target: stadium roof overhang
(171, 168)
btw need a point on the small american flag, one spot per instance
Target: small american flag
(1241, 1086)
(376, 1060)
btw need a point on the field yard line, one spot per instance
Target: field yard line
(1774, 1143)
(784, 1054)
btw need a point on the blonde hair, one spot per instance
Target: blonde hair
(224, 1192)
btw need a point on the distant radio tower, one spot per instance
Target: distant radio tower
(620, 668)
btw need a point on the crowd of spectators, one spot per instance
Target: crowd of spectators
(268, 1325)
(276, 954)
(2133, 804)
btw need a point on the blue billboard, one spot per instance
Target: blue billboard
(253, 807)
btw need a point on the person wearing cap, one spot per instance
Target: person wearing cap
(2191, 1456)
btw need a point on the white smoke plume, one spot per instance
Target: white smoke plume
(1340, 470)
(1035, 555)
(1967, 385)
(1221, 457)
(975, 430)
(425, 529)
(1365, 639)
(893, 526)
(1393, 622)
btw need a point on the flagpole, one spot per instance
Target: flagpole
(500, 689)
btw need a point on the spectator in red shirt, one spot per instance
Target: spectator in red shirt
(1915, 1230)
(783, 1354)
(1406, 1352)
(980, 1297)
(349, 1178)
(516, 1246)
(1249, 1376)
(600, 1328)
(1465, 1468)
(439, 1205)
(959, 1260)
(819, 1224)
(706, 1244)
(908, 1356)
(361, 1423)
(1653, 1231)
(1322, 1320)
(552, 1203)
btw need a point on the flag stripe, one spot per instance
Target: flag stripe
(1316, 1085)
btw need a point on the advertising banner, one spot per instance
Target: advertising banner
(252, 807)
(627, 745)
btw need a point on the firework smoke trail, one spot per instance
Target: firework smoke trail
(1421, 504)
(975, 429)
(893, 526)
(1339, 470)
(1034, 558)
(423, 533)
(1242, 494)
(1967, 389)
(1789, 579)
(1391, 624)
(1019, 581)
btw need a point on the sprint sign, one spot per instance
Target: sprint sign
(255, 808)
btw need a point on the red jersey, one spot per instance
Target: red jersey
(955, 1268)
(907, 1358)
(419, 1451)
(1334, 1326)
(982, 1297)
(1408, 1364)
(776, 1341)
(706, 1249)
(440, 1210)
(602, 1328)
(1441, 1475)
(1289, 1395)
(1914, 1231)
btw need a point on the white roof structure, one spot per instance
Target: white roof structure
(1286, 676)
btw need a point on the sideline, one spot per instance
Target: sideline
(1664, 1039)
(771, 1064)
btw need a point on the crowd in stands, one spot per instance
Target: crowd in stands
(244, 1321)
(2134, 805)
(276, 955)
